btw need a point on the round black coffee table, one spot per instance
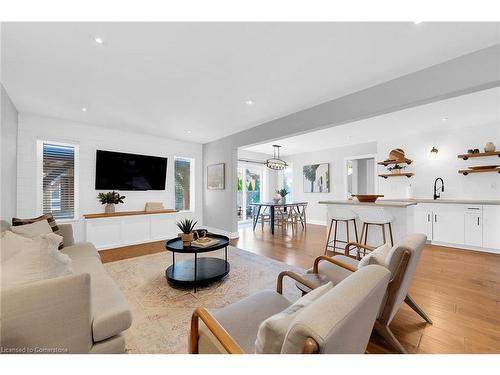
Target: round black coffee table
(197, 271)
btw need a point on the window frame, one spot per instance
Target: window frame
(192, 182)
(76, 175)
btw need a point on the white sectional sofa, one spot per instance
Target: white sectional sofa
(84, 312)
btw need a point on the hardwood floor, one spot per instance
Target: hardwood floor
(458, 289)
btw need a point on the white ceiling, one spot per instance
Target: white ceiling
(191, 80)
(465, 111)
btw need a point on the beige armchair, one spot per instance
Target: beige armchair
(338, 321)
(401, 261)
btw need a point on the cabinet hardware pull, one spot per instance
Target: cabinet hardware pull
(478, 221)
(428, 217)
(473, 208)
(435, 218)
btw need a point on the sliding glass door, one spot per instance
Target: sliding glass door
(249, 189)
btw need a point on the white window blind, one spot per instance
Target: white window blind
(58, 180)
(183, 170)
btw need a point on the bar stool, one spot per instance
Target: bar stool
(376, 216)
(346, 216)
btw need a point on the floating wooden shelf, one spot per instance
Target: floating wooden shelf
(396, 175)
(389, 162)
(478, 155)
(128, 213)
(465, 172)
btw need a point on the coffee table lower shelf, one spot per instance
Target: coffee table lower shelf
(208, 270)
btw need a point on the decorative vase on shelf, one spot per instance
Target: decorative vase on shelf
(283, 200)
(489, 147)
(109, 208)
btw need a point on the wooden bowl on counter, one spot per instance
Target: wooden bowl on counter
(367, 198)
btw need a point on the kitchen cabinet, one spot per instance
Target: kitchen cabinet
(462, 225)
(473, 228)
(491, 227)
(448, 223)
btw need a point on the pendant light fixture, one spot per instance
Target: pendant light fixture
(276, 163)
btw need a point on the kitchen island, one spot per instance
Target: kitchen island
(463, 223)
(400, 210)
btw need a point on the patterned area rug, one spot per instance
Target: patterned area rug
(161, 313)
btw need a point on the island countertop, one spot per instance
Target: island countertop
(378, 203)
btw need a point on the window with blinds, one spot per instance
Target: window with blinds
(58, 180)
(184, 195)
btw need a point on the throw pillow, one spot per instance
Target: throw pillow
(272, 331)
(377, 256)
(50, 219)
(33, 259)
(34, 229)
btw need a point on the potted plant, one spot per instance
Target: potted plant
(186, 226)
(396, 169)
(283, 193)
(110, 199)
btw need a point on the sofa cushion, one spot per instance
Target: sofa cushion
(110, 310)
(272, 331)
(81, 250)
(27, 260)
(242, 320)
(50, 219)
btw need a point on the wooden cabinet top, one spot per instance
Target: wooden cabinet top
(128, 213)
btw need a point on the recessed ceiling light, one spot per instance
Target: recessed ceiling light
(417, 22)
(444, 119)
(98, 40)
(249, 102)
(84, 109)
(188, 131)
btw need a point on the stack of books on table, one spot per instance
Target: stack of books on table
(204, 242)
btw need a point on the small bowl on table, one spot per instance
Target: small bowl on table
(367, 198)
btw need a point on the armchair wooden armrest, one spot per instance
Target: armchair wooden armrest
(217, 330)
(331, 260)
(293, 275)
(359, 246)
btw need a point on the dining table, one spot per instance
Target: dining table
(272, 207)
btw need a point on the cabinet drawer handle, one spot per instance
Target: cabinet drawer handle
(428, 217)
(478, 221)
(435, 218)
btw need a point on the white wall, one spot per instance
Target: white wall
(316, 213)
(90, 138)
(8, 172)
(450, 143)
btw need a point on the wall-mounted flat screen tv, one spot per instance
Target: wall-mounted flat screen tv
(120, 171)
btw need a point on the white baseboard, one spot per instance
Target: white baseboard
(465, 247)
(231, 235)
(316, 222)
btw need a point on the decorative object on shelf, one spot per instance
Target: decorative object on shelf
(276, 163)
(110, 199)
(396, 169)
(473, 151)
(434, 152)
(316, 178)
(480, 167)
(186, 226)
(396, 156)
(153, 206)
(489, 147)
(367, 198)
(282, 193)
(216, 177)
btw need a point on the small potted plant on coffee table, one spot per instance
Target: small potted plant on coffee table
(282, 193)
(186, 226)
(110, 199)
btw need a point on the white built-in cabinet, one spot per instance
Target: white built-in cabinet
(470, 226)
(117, 231)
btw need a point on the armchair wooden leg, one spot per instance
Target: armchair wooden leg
(410, 302)
(388, 336)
